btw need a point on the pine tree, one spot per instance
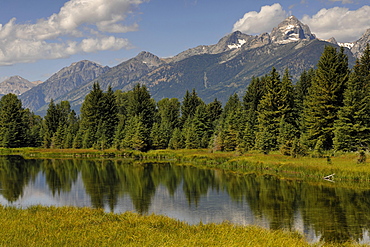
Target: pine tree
(229, 130)
(177, 140)
(91, 113)
(325, 98)
(289, 123)
(13, 128)
(189, 105)
(352, 128)
(99, 118)
(251, 101)
(275, 104)
(109, 118)
(166, 121)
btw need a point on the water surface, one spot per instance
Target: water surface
(326, 212)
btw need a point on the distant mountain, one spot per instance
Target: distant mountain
(16, 85)
(360, 45)
(291, 30)
(66, 80)
(217, 70)
(214, 71)
(123, 76)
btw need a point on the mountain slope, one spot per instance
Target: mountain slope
(217, 70)
(220, 75)
(62, 82)
(16, 85)
(122, 76)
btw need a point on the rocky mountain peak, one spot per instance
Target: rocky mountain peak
(149, 59)
(16, 85)
(291, 30)
(360, 45)
(62, 82)
(234, 40)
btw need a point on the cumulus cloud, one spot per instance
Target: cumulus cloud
(80, 26)
(259, 22)
(341, 23)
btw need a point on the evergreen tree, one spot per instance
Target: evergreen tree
(109, 117)
(229, 130)
(352, 128)
(99, 118)
(91, 113)
(13, 128)
(51, 123)
(325, 98)
(274, 110)
(189, 105)
(167, 121)
(251, 101)
(135, 107)
(177, 140)
(289, 126)
(34, 129)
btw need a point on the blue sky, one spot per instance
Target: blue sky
(39, 37)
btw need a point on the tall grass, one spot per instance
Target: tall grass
(69, 226)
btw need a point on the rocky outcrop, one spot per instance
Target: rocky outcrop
(17, 85)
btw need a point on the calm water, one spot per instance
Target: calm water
(188, 194)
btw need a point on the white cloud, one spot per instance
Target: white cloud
(341, 23)
(259, 22)
(80, 26)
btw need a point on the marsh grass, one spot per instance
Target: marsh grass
(69, 226)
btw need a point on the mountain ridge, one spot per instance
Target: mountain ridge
(217, 70)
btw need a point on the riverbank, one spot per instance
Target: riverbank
(344, 167)
(69, 226)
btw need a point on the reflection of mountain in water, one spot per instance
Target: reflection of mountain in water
(189, 194)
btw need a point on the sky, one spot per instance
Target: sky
(40, 37)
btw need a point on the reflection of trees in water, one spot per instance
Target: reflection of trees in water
(336, 214)
(15, 174)
(197, 182)
(101, 182)
(60, 174)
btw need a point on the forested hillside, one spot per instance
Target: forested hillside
(327, 109)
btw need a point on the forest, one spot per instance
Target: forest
(327, 109)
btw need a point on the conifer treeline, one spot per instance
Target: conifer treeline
(327, 109)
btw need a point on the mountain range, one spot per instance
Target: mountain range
(16, 85)
(214, 71)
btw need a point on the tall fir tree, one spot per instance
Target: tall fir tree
(352, 128)
(137, 114)
(229, 130)
(251, 100)
(13, 128)
(325, 98)
(189, 105)
(99, 118)
(275, 105)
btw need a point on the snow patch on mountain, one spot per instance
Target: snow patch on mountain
(240, 43)
(348, 45)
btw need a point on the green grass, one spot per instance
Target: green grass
(69, 226)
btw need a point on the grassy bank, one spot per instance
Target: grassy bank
(344, 166)
(68, 226)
